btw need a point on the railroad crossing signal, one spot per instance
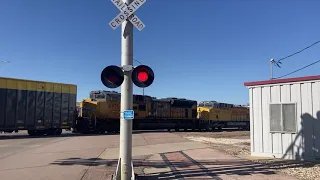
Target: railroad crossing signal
(113, 76)
(142, 76)
(127, 12)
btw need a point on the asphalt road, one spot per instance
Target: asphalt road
(156, 155)
(68, 156)
(18, 142)
(13, 143)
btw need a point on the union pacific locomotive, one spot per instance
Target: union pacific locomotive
(101, 113)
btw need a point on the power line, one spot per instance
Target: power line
(298, 69)
(277, 63)
(137, 61)
(299, 51)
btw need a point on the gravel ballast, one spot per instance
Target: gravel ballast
(240, 146)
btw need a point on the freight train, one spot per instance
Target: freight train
(101, 113)
(47, 108)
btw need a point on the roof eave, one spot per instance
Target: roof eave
(279, 81)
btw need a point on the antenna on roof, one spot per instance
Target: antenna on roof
(273, 62)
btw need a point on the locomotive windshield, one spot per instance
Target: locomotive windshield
(105, 95)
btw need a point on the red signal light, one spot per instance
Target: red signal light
(142, 76)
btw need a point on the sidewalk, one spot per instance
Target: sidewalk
(192, 160)
(206, 163)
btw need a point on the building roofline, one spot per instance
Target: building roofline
(286, 80)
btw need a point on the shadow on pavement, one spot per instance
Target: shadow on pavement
(186, 170)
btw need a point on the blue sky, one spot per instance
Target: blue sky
(198, 49)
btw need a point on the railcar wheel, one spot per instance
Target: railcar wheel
(58, 131)
(32, 132)
(50, 132)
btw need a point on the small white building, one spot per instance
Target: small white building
(285, 118)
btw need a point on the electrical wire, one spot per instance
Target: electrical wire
(137, 61)
(299, 51)
(298, 70)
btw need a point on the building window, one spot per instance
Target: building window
(283, 117)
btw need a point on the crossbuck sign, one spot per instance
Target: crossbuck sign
(127, 13)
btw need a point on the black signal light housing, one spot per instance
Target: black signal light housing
(142, 76)
(112, 76)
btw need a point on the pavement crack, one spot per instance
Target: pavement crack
(10, 169)
(90, 164)
(67, 152)
(144, 139)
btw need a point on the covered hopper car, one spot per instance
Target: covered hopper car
(37, 106)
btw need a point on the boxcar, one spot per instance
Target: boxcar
(37, 106)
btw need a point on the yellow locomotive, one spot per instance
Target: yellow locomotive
(106, 104)
(229, 115)
(212, 110)
(101, 113)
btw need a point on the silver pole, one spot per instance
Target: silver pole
(126, 99)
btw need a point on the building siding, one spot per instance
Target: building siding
(315, 112)
(305, 143)
(267, 137)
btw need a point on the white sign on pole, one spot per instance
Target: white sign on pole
(127, 13)
(133, 18)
